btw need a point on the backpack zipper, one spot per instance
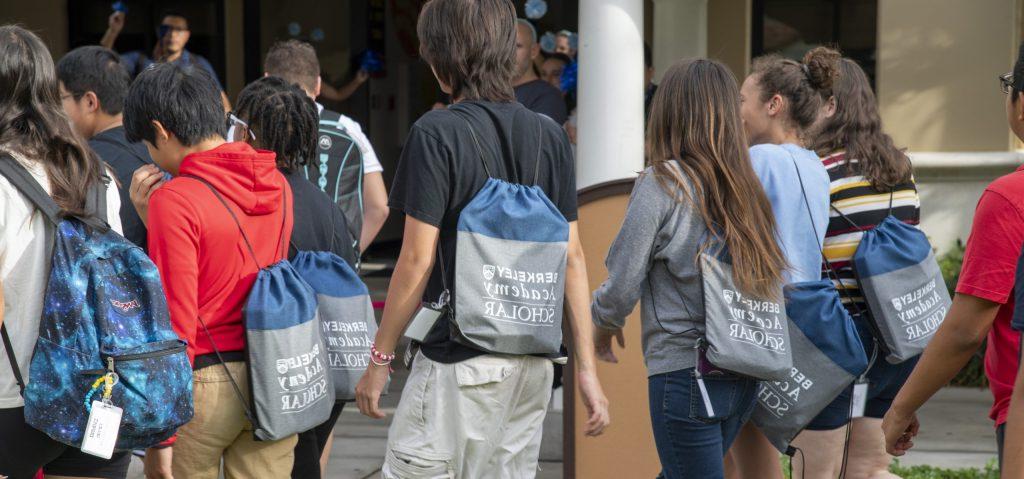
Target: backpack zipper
(110, 360)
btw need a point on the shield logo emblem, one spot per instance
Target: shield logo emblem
(896, 303)
(282, 366)
(325, 142)
(488, 272)
(728, 295)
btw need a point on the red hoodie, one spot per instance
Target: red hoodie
(206, 269)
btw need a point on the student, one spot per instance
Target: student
(93, 85)
(277, 116)
(530, 90)
(365, 209)
(172, 36)
(781, 99)
(205, 263)
(983, 304)
(439, 173)
(66, 168)
(866, 170)
(700, 175)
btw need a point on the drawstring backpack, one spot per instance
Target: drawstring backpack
(347, 323)
(291, 389)
(902, 284)
(510, 268)
(827, 355)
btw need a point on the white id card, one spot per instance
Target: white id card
(422, 323)
(101, 430)
(859, 399)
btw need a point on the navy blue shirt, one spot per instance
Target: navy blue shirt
(137, 61)
(124, 158)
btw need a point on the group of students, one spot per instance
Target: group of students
(155, 143)
(776, 170)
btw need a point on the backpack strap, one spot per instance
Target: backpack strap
(10, 357)
(21, 179)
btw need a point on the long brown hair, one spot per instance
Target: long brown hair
(33, 123)
(857, 128)
(471, 45)
(695, 119)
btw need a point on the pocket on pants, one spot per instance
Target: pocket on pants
(722, 393)
(402, 464)
(484, 370)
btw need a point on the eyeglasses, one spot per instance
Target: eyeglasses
(234, 123)
(1006, 82)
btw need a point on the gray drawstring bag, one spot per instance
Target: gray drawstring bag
(347, 323)
(827, 357)
(743, 334)
(510, 266)
(902, 285)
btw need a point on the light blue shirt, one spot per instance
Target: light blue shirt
(776, 166)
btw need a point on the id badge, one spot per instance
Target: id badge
(859, 399)
(101, 430)
(422, 323)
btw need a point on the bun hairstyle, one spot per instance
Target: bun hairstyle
(804, 85)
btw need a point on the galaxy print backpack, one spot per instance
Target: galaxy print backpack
(105, 335)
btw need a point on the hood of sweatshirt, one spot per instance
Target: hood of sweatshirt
(246, 176)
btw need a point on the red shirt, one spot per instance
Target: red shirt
(989, 269)
(205, 266)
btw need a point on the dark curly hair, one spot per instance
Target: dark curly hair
(282, 118)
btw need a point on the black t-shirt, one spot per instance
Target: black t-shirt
(124, 157)
(541, 97)
(319, 224)
(440, 172)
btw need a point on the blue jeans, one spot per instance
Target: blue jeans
(691, 443)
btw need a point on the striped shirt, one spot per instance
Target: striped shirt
(860, 208)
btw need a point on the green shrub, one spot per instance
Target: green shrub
(990, 471)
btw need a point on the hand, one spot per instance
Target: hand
(145, 181)
(157, 463)
(899, 430)
(116, 22)
(603, 343)
(594, 401)
(570, 129)
(362, 75)
(369, 389)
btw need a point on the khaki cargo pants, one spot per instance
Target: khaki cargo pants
(481, 418)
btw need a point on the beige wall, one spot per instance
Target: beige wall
(937, 66)
(729, 34)
(47, 18)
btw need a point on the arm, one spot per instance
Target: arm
(375, 204)
(415, 262)
(174, 248)
(114, 25)
(1013, 453)
(329, 92)
(577, 297)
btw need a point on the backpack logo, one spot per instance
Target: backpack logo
(325, 142)
(728, 295)
(125, 307)
(488, 272)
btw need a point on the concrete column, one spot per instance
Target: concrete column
(680, 31)
(610, 111)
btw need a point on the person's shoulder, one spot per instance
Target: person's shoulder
(438, 123)
(1010, 186)
(767, 151)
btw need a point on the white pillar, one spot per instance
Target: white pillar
(680, 31)
(610, 106)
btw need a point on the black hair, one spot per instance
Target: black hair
(33, 122)
(282, 118)
(648, 56)
(1018, 74)
(184, 99)
(96, 69)
(170, 12)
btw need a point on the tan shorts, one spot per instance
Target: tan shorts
(480, 418)
(219, 429)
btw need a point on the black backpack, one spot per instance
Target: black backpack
(338, 171)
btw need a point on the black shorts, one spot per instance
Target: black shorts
(884, 381)
(311, 445)
(33, 450)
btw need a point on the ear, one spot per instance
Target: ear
(1018, 106)
(160, 135)
(319, 82)
(775, 104)
(91, 102)
(830, 107)
(188, 35)
(534, 51)
(265, 74)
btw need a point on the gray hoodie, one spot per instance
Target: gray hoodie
(654, 258)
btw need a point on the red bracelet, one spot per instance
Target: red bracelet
(379, 356)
